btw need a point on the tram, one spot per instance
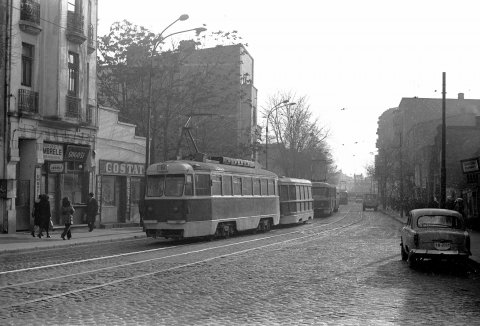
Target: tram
(296, 201)
(216, 197)
(343, 197)
(325, 200)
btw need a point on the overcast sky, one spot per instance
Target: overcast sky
(363, 56)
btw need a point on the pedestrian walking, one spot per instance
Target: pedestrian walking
(91, 211)
(44, 215)
(36, 217)
(67, 211)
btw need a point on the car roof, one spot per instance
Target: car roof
(434, 211)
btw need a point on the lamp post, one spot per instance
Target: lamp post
(157, 41)
(284, 103)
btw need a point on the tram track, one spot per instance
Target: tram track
(146, 267)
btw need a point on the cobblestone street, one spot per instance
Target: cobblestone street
(348, 275)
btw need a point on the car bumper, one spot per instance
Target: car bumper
(439, 253)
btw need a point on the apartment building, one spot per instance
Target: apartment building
(50, 106)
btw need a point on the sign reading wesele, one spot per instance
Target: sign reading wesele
(121, 168)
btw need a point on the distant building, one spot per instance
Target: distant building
(51, 106)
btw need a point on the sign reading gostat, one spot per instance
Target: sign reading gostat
(121, 168)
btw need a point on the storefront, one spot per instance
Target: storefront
(118, 190)
(64, 174)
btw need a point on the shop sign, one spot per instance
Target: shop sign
(56, 167)
(470, 165)
(52, 152)
(76, 153)
(121, 168)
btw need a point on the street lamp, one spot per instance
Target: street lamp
(157, 41)
(283, 103)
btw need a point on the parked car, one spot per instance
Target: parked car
(434, 233)
(370, 201)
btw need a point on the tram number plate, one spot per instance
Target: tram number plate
(442, 245)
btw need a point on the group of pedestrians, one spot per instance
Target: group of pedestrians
(42, 216)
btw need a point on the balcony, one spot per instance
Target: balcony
(30, 17)
(27, 101)
(75, 30)
(73, 108)
(91, 39)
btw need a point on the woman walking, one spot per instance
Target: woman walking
(67, 217)
(36, 217)
(44, 215)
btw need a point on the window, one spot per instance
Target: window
(74, 185)
(292, 192)
(73, 72)
(237, 186)
(188, 185)
(155, 185)
(202, 184)
(27, 64)
(174, 185)
(247, 186)
(227, 185)
(264, 187)
(256, 187)
(216, 185)
(283, 192)
(271, 187)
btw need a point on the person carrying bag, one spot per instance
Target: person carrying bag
(67, 217)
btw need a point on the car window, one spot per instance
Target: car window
(439, 221)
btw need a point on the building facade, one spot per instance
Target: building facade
(120, 162)
(51, 107)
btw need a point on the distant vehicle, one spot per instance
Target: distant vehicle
(343, 197)
(296, 202)
(370, 201)
(434, 233)
(324, 198)
(358, 198)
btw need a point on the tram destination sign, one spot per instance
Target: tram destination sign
(121, 168)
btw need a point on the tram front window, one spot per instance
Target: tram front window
(155, 185)
(174, 185)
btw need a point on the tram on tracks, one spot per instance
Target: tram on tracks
(343, 197)
(325, 199)
(217, 197)
(296, 201)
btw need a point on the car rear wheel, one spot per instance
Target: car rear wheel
(403, 252)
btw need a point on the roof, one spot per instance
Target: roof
(294, 180)
(434, 211)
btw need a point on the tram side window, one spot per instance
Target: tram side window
(256, 187)
(227, 185)
(155, 185)
(216, 185)
(188, 185)
(263, 183)
(292, 192)
(283, 192)
(237, 186)
(271, 187)
(202, 184)
(247, 186)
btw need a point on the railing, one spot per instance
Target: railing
(74, 22)
(73, 107)
(30, 11)
(27, 101)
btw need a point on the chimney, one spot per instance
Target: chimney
(461, 96)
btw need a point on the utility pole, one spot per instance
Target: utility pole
(443, 171)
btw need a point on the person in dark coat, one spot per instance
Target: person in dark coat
(44, 215)
(91, 211)
(36, 217)
(67, 211)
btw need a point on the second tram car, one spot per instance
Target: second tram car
(343, 197)
(296, 202)
(324, 198)
(215, 198)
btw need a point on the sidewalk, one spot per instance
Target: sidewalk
(21, 241)
(474, 235)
